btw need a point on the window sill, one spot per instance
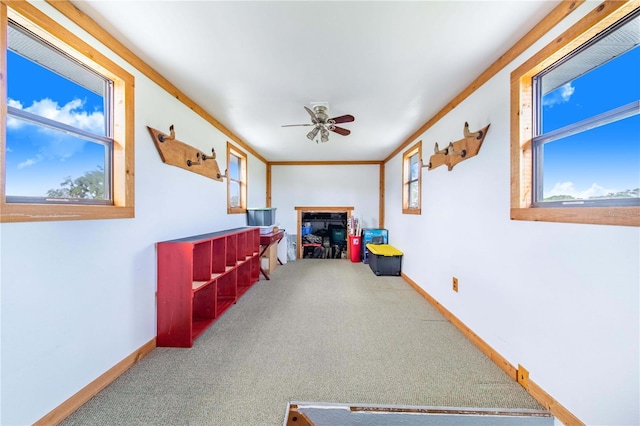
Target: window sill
(411, 211)
(234, 210)
(621, 216)
(45, 213)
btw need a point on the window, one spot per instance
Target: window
(67, 141)
(412, 179)
(576, 144)
(236, 180)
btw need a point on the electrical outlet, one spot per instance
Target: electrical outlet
(455, 284)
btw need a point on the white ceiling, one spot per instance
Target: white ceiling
(255, 65)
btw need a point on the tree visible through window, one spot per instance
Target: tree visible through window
(58, 134)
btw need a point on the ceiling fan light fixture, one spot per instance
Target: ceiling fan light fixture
(324, 135)
(312, 134)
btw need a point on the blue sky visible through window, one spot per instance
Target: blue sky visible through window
(601, 161)
(39, 159)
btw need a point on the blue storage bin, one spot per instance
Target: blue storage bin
(373, 236)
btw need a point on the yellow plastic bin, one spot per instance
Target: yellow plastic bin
(384, 259)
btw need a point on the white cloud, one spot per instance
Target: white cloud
(12, 123)
(568, 188)
(560, 95)
(14, 103)
(29, 162)
(71, 113)
(57, 145)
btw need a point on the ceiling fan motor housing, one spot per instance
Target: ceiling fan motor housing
(321, 113)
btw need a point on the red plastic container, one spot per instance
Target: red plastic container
(354, 247)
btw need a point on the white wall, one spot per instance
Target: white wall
(79, 296)
(325, 185)
(562, 300)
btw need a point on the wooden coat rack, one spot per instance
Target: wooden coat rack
(458, 151)
(182, 155)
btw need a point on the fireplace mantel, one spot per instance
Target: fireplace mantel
(318, 209)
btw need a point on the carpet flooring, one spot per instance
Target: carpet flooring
(319, 330)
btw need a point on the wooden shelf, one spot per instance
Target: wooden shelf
(199, 278)
(197, 285)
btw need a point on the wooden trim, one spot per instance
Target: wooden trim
(546, 400)
(324, 209)
(268, 195)
(552, 19)
(18, 212)
(65, 409)
(323, 163)
(297, 418)
(3, 104)
(521, 116)
(381, 205)
(600, 18)
(124, 133)
(77, 16)
(621, 216)
(298, 236)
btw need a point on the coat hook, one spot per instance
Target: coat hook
(444, 151)
(451, 151)
(224, 175)
(467, 134)
(172, 136)
(209, 157)
(193, 163)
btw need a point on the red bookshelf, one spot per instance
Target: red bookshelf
(200, 277)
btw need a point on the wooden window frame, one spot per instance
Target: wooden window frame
(233, 150)
(123, 117)
(599, 19)
(406, 172)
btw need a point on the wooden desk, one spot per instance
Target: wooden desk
(266, 241)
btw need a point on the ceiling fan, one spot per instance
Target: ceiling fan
(323, 124)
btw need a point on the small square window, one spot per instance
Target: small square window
(411, 179)
(236, 180)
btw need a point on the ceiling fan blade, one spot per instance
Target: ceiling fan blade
(340, 130)
(314, 119)
(296, 125)
(343, 119)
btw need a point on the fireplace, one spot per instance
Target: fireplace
(325, 221)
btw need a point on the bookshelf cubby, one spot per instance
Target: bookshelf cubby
(199, 278)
